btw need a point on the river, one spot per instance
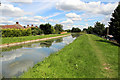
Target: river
(17, 59)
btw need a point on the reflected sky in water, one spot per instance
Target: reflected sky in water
(15, 60)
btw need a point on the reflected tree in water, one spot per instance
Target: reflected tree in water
(58, 40)
(46, 43)
(75, 35)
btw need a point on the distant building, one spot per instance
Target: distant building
(15, 26)
(63, 32)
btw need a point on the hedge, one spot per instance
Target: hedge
(16, 32)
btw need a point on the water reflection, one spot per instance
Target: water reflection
(15, 60)
(46, 43)
(59, 40)
(75, 35)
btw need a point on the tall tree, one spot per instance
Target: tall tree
(47, 28)
(90, 30)
(114, 27)
(99, 28)
(75, 30)
(58, 28)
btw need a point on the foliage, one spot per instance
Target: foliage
(36, 31)
(52, 30)
(58, 28)
(84, 58)
(99, 28)
(68, 30)
(90, 30)
(47, 28)
(114, 26)
(15, 32)
(75, 30)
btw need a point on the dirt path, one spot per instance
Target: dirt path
(105, 66)
(30, 41)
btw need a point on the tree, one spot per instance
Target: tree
(58, 28)
(47, 28)
(68, 30)
(52, 30)
(36, 31)
(114, 27)
(75, 30)
(90, 30)
(99, 28)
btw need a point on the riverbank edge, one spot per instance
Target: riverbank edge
(30, 41)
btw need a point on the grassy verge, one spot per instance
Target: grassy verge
(26, 38)
(88, 56)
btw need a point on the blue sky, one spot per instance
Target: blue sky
(69, 13)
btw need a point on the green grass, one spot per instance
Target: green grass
(26, 38)
(86, 57)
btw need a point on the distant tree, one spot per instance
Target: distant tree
(36, 31)
(84, 29)
(114, 27)
(99, 28)
(58, 28)
(52, 30)
(68, 30)
(46, 28)
(75, 30)
(90, 30)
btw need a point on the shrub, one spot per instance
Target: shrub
(15, 32)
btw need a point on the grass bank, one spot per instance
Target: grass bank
(8, 40)
(88, 56)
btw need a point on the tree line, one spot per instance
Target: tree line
(42, 29)
(114, 26)
(74, 30)
(98, 29)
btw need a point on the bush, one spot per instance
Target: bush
(15, 32)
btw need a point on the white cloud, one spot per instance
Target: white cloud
(36, 20)
(10, 10)
(53, 15)
(68, 21)
(53, 21)
(73, 16)
(5, 20)
(91, 7)
(106, 20)
(20, 1)
(27, 19)
(40, 17)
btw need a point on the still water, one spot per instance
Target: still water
(15, 60)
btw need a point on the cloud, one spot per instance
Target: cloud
(53, 15)
(40, 17)
(36, 20)
(5, 20)
(11, 11)
(73, 16)
(27, 19)
(106, 20)
(91, 7)
(20, 1)
(68, 21)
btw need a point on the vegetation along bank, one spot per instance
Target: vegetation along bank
(11, 41)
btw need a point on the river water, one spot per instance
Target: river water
(15, 60)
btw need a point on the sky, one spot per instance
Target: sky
(69, 13)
